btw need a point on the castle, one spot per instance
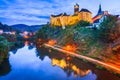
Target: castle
(65, 20)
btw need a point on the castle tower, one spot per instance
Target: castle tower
(100, 10)
(76, 8)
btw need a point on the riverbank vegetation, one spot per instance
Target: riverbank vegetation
(4, 48)
(98, 43)
(11, 41)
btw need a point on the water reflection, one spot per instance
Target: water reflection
(31, 46)
(21, 44)
(73, 66)
(14, 51)
(44, 64)
(5, 67)
(67, 64)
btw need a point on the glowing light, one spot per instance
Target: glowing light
(70, 48)
(25, 32)
(13, 32)
(68, 58)
(26, 37)
(52, 42)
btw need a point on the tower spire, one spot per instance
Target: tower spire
(100, 10)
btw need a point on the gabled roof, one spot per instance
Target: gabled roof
(98, 15)
(56, 15)
(84, 10)
(96, 18)
(62, 14)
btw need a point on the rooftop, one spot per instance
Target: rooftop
(62, 14)
(84, 10)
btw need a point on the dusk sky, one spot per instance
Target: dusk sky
(36, 12)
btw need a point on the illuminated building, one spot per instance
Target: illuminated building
(100, 16)
(65, 20)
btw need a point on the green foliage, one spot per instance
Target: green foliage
(83, 23)
(3, 44)
(48, 32)
(107, 29)
(42, 33)
(3, 48)
(117, 29)
(10, 37)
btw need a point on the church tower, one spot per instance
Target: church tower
(76, 8)
(100, 10)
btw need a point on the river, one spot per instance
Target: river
(31, 63)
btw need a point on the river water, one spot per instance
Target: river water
(30, 63)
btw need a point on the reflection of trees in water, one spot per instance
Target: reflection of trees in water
(41, 52)
(14, 51)
(30, 47)
(29, 44)
(5, 67)
(65, 62)
(21, 44)
(3, 55)
(16, 46)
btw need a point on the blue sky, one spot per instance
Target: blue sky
(34, 12)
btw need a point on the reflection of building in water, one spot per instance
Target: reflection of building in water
(60, 63)
(69, 65)
(63, 64)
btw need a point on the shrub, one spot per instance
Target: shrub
(108, 30)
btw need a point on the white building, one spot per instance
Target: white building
(1, 31)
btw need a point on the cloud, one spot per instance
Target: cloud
(22, 11)
(38, 11)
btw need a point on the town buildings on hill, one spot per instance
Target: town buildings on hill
(65, 20)
(100, 16)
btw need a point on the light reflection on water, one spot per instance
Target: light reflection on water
(28, 64)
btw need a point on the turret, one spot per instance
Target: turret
(76, 8)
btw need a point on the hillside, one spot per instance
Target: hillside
(94, 43)
(5, 27)
(23, 27)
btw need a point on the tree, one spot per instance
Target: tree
(3, 48)
(83, 23)
(108, 30)
(117, 30)
(42, 33)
